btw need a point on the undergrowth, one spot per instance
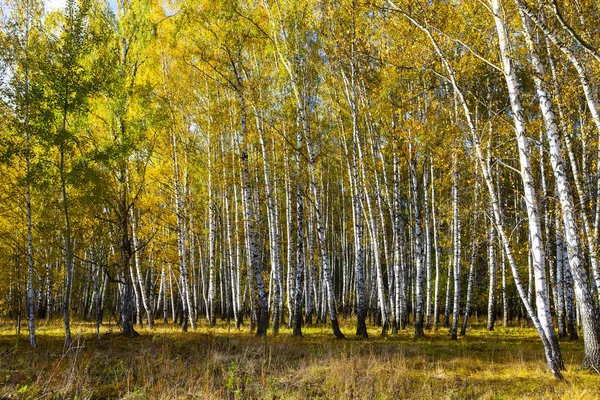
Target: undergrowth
(224, 363)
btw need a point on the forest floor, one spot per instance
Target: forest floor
(222, 362)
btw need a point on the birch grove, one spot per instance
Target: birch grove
(285, 165)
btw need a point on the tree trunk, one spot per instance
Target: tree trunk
(463, 329)
(251, 234)
(585, 298)
(68, 248)
(492, 278)
(592, 106)
(427, 248)
(297, 328)
(212, 236)
(329, 288)
(436, 315)
(30, 292)
(535, 234)
(553, 363)
(456, 247)
(136, 260)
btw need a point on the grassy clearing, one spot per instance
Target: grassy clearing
(221, 362)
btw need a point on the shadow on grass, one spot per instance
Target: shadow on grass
(222, 362)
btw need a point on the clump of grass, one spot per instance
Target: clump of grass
(221, 362)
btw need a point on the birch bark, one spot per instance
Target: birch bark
(585, 298)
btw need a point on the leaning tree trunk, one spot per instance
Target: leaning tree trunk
(554, 363)
(585, 298)
(361, 326)
(251, 233)
(373, 229)
(590, 101)
(530, 195)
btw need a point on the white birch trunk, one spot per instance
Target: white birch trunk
(181, 234)
(456, 248)
(585, 298)
(297, 326)
(290, 241)
(535, 234)
(136, 260)
(560, 300)
(419, 267)
(30, 272)
(427, 247)
(491, 321)
(436, 247)
(463, 329)
(212, 237)
(273, 229)
(553, 363)
(591, 102)
(329, 288)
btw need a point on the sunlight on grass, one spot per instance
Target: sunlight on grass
(222, 362)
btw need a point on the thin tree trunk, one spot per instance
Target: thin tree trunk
(291, 251)
(436, 316)
(492, 277)
(560, 268)
(419, 267)
(463, 329)
(273, 229)
(251, 233)
(136, 260)
(329, 288)
(427, 248)
(297, 328)
(398, 275)
(68, 247)
(212, 233)
(30, 292)
(456, 248)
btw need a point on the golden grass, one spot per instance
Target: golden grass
(222, 362)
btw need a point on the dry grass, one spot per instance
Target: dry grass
(222, 362)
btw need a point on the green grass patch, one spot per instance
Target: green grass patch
(222, 362)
